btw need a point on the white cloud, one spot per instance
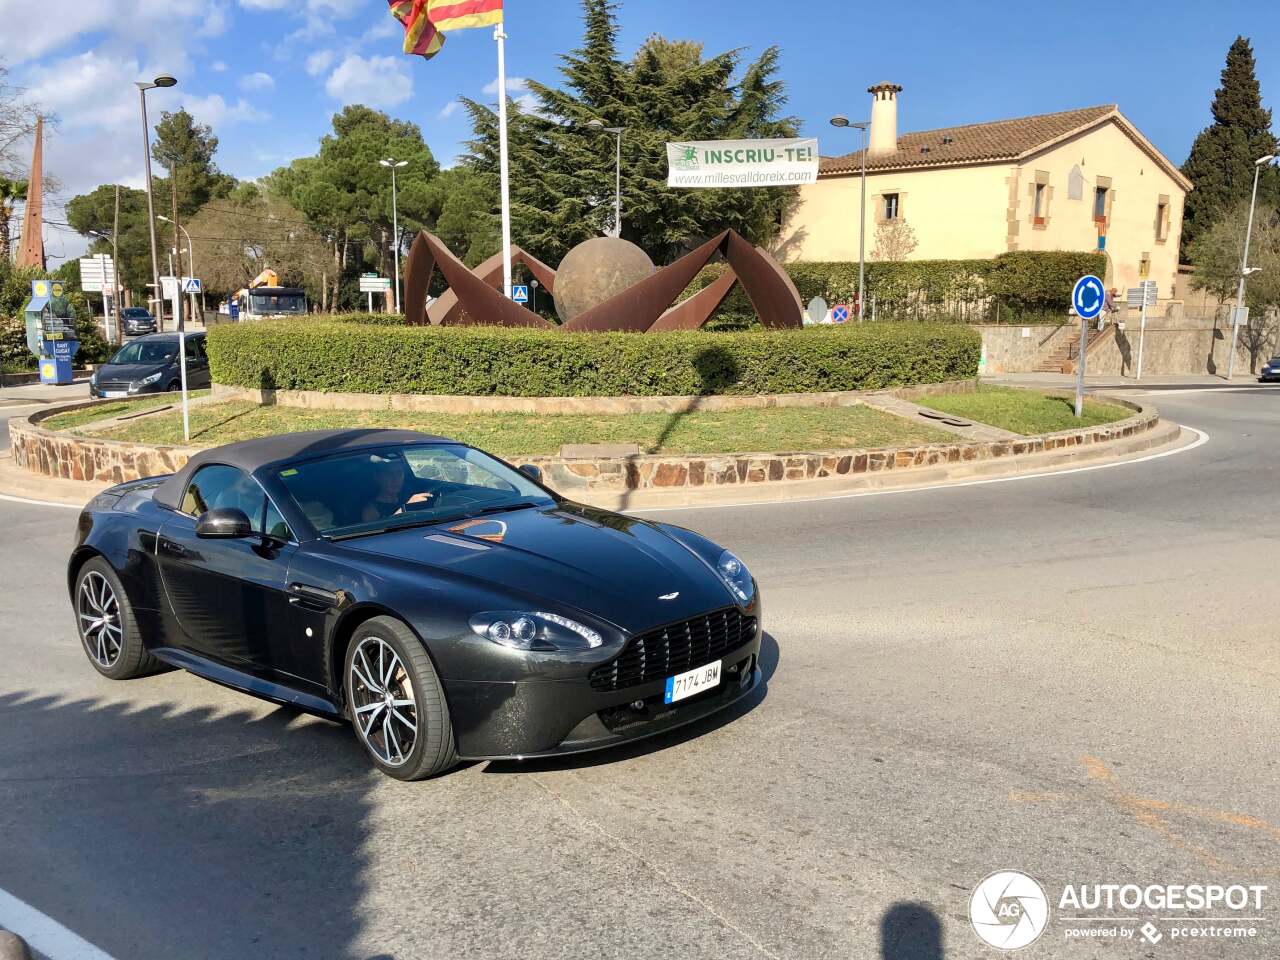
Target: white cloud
(319, 62)
(216, 112)
(376, 81)
(514, 85)
(383, 29)
(449, 109)
(219, 66)
(257, 81)
(154, 25)
(265, 4)
(88, 91)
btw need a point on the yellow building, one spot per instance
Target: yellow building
(1057, 181)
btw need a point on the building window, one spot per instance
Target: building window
(1162, 220)
(891, 206)
(1040, 203)
(1100, 203)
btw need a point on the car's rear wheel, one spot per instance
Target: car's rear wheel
(396, 702)
(108, 631)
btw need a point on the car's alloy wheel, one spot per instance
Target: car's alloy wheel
(396, 702)
(100, 625)
(108, 631)
(383, 706)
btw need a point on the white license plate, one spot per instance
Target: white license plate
(114, 394)
(692, 682)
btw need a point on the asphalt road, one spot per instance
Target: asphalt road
(1074, 676)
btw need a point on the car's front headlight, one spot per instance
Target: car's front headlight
(147, 380)
(530, 630)
(736, 577)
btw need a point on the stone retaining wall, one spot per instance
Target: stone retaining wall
(78, 458)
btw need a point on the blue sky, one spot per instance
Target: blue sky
(267, 74)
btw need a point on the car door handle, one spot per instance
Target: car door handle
(172, 549)
(314, 598)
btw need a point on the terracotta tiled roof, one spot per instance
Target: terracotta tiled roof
(973, 143)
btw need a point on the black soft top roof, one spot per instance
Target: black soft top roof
(252, 455)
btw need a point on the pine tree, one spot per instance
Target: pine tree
(562, 171)
(1221, 163)
(190, 146)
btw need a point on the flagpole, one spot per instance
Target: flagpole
(500, 35)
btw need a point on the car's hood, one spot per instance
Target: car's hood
(128, 371)
(621, 569)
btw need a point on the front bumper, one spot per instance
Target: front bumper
(541, 718)
(122, 391)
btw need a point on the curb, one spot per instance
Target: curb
(49, 465)
(1168, 437)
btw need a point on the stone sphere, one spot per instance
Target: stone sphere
(596, 270)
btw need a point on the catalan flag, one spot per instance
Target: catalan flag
(426, 21)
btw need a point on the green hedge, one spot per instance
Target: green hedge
(487, 361)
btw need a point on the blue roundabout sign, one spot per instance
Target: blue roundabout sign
(1087, 297)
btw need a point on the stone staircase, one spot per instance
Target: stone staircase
(1062, 357)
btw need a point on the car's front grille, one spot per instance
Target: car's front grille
(113, 384)
(675, 648)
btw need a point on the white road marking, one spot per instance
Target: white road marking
(1201, 439)
(44, 934)
(1175, 392)
(41, 503)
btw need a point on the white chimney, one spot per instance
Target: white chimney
(884, 118)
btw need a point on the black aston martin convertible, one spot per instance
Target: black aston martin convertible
(448, 605)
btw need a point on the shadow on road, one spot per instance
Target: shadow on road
(910, 931)
(162, 832)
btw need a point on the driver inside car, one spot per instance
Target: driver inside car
(393, 483)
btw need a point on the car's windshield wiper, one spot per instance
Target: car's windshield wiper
(390, 528)
(432, 521)
(500, 508)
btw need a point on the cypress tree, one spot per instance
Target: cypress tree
(1221, 163)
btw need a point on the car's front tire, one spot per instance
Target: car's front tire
(108, 631)
(395, 701)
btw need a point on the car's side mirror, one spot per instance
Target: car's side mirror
(532, 472)
(223, 523)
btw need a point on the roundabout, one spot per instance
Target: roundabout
(930, 669)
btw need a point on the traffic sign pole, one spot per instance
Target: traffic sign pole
(1142, 333)
(1087, 298)
(1084, 345)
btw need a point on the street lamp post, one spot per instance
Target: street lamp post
(143, 86)
(393, 165)
(842, 121)
(1244, 261)
(617, 171)
(115, 288)
(191, 263)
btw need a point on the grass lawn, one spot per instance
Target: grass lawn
(1024, 411)
(115, 408)
(735, 431)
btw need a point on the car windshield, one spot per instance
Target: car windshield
(277, 303)
(136, 313)
(355, 494)
(146, 351)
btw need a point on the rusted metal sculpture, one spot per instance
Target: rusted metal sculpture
(474, 299)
